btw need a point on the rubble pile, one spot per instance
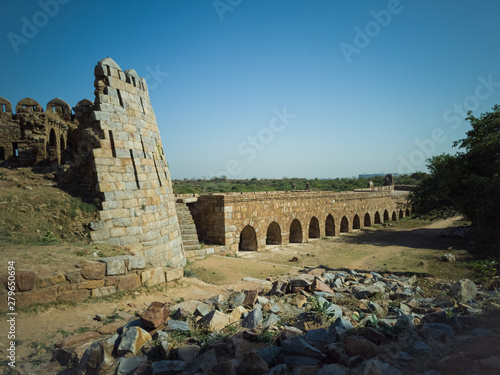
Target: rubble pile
(320, 322)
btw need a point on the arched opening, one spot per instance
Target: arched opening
(344, 225)
(368, 220)
(386, 216)
(407, 212)
(401, 214)
(52, 151)
(356, 223)
(248, 239)
(314, 228)
(394, 216)
(377, 218)
(273, 236)
(295, 232)
(52, 139)
(330, 226)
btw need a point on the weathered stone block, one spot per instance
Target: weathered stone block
(173, 273)
(103, 292)
(25, 280)
(91, 284)
(114, 265)
(73, 276)
(136, 262)
(92, 270)
(153, 276)
(129, 282)
(45, 282)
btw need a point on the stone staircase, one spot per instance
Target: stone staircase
(188, 229)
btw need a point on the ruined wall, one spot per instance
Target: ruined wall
(132, 177)
(221, 218)
(32, 136)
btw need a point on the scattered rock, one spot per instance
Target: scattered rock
(155, 315)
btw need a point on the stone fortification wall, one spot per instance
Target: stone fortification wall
(243, 220)
(132, 177)
(31, 136)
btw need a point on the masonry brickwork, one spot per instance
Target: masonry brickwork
(31, 136)
(132, 176)
(250, 221)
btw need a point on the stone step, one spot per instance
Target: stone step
(189, 232)
(191, 247)
(190, 242)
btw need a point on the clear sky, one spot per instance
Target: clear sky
(272, 88)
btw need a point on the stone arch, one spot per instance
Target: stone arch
(273, 236)
(407, 212)
(394, 216)
(368, 220)
(377, 218)
(5, 106)
(356, 224)
(248, 239)
(330, 226)
(401, 214)
(28, 105)
(344, 225)
(314, 228)
(386, 216)
(295, 232)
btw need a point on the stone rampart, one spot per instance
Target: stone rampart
(250, 221)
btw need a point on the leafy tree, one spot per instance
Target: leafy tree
(469, 181)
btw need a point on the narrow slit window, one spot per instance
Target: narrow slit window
(120, 97)
(143, 149)
(135, 170)
(2, 108)
(142, 104)
(15, 149)
(109, 70)
(133, 81)
(2, 153)
(112, 141)
(157, 173)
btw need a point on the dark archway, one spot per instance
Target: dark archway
(273, 236)
(377, 218)
(407, 212)
(344, 225)
(295, 232)
(52, 151)
(368, 220)
(386, 216)
(394, 216)
(356, 222)
(314, 228)
(401, 214)
(248, 239)
(330, 226)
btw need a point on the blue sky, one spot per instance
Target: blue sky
(272, 88)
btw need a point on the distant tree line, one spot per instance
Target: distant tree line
(225, 185)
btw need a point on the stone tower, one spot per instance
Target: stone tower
(130, 170)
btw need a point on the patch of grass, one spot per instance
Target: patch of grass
(83, 330)
(113, 317)
(64, 333)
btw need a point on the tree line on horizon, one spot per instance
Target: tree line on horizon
(226, 185)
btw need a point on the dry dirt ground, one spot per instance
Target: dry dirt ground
(382, 249)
